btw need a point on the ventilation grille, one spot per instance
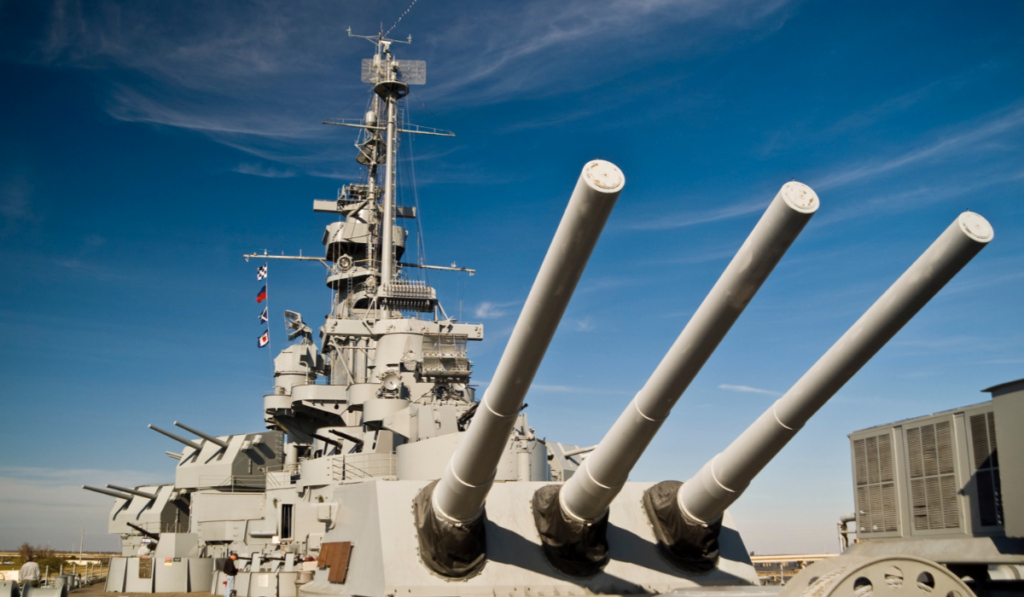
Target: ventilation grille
(876, 493)
(933, 486)
(986, 465)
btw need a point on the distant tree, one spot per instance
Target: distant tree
(751, 553)
(43, 555)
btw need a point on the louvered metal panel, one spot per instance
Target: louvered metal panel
(914, 454)
(860, 463)
(889, 521)
(919, 504)
(885, 470)
(876, 493)
(944, 445)
(979, 441)
(871, 446)
(986, 462)
(991, 418)
(928, 450)
(933, 486)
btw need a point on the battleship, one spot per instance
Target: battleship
(381, 473)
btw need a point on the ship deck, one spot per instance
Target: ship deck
(96, 590)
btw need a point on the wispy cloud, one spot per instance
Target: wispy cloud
(264, 171)
(489, 310)
(585, 324)
(919, 196)
(682, 220)
(44, 504)
(953, 143)
(15, 203)
(269, 71)
(908, 100)
(557, 389)
(749, 390)
(81, 267)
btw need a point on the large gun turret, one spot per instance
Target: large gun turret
(687, 518)
(452, 507)
(572, 519)
(150, 534)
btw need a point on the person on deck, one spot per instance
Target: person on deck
(230, 571)
(29, 576)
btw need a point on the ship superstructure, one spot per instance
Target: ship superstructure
(380, 473)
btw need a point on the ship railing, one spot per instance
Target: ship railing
(279, 475)
(360, 467)
(233, 483)
(174, 527)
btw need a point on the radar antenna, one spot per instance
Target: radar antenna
(293, 321)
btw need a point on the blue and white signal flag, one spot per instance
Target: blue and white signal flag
(261, 273)
(263, 340)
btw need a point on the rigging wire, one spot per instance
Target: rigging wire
(424, 106)
(400, 18)
(421, 241)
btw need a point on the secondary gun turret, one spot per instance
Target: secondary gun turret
(449, 512)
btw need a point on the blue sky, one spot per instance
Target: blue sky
(147, 145)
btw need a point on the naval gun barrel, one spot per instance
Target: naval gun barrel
(459, 495)
(145, 494)
(151, 535)
(351, 438)
(177, 438)
(722, 480)
(210, 438)
(586, 496)
(117, 494)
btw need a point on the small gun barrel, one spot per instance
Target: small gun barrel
(722, 480)
(461, 492)
(145, 494)
(328, 440)
(588, 493)
(117, 494)
(350, 438)
(151, 535)
(209, 438)
(173, 455)
(177, 438)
